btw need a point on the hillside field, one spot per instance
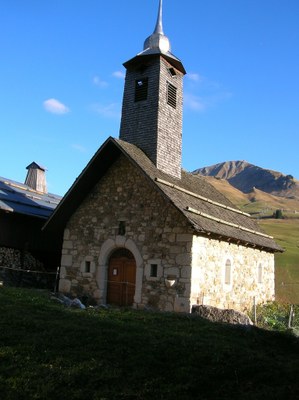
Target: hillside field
(286, 233)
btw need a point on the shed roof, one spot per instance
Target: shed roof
(19, 198)
(209, 212)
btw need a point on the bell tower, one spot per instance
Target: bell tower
(152, 109)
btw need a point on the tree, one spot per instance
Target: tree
(278, 214)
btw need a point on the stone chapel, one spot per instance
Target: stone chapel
(140, 231)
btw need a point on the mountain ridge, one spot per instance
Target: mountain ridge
(247, 177)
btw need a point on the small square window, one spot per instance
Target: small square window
(87, 266)
(154, 271)
(172, 71)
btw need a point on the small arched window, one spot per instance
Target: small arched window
(228, 272)
(260, 273)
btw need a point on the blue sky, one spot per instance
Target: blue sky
(61, 80)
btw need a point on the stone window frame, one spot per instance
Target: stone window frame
(148, 268)
(92, 268)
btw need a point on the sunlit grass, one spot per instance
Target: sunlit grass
(286, 233)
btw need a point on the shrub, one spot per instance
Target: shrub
(274, 315)
(278, 214)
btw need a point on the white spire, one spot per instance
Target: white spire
(157, 40)
(159, 24)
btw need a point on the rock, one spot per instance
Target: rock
(218, 315)
(77, 304)
(66, 301)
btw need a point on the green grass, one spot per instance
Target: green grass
(51, 352)
(286, 234)
(257, 207)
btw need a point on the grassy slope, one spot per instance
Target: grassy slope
(233, 194)
(49, 352)
(286, 233)
(255, 202)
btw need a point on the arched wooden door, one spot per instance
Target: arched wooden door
(121, 278)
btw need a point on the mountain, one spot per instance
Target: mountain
(247, 177)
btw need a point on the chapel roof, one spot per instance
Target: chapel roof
(207, 210)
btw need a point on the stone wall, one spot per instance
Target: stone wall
(252, 275)
(160, 234)
(190, 269)
(16, 259)
(15, 267)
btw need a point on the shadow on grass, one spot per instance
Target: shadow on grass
(48, 351)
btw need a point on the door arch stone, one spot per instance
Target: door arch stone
(107, 248)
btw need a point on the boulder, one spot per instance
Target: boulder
(215, 314)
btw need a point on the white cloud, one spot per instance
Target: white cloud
(194, 103)
(203, 93)
(194, 77)
(208, 100)
(119, 74)
(98, 82)
(79, 148)
(110, 110)
(55, 107)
